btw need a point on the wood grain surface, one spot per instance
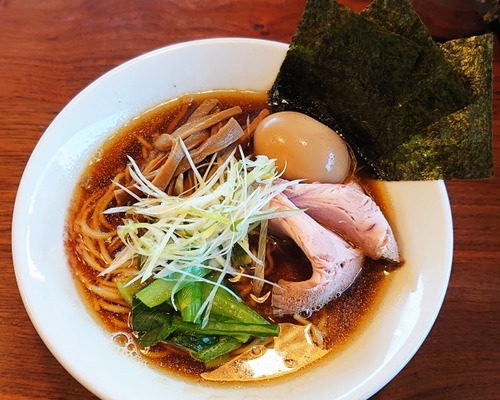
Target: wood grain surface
(50, 50)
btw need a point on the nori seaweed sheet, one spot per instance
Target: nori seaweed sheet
(370, 76)
(434, 90)
(321, 74)
(459, 145)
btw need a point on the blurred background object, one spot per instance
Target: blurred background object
(450, 19)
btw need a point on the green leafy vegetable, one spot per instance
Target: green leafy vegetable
(226, 304)
(205, 348)
(129, 289)
(164, 289)
(189, 301)
(240, 255)
(152, 325)
(236, 329)
(218, 335)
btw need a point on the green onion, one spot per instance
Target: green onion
(168, 235)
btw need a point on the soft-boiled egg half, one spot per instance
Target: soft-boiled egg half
(303, 147)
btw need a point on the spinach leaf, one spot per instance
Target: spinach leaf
(204, 348)
(152, 325)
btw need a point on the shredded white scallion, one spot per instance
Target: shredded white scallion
(171, 233)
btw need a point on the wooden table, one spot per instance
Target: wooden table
(50, 50)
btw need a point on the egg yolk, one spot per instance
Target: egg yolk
(303, 147)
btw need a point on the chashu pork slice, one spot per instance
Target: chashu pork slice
(349, 211)
(335, 263)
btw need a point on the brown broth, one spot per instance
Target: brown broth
(341, 320)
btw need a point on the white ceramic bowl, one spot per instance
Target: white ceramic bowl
(408, 310)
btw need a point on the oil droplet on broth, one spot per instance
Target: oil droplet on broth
(290, 363)
(121, 339)
(126, 343)
(257, 350)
